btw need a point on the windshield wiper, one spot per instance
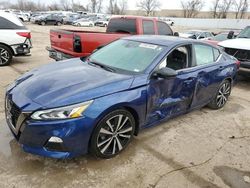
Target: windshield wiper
(105, 67)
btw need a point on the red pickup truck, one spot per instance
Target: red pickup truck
(74, 43)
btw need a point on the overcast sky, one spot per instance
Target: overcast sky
(166, 4)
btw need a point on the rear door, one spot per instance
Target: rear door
(208, 68)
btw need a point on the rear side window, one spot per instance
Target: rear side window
(204, 54)
(164, 29)
(148, 27)
(6, 24)
(122, 25)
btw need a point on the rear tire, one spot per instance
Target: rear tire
(221, 97)
(5, 55)
(112, 134)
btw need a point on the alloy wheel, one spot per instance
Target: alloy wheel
(114, 135)
(223, 94)
(4, 56)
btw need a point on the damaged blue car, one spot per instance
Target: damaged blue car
(98, 104)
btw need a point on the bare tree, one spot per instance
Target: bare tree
(54, 6)
(224, 7)
(66, 5)
(215, 8)
(241, 7)
(96, 5)
(77, 6)
(191, 7)
(149, 6)
(123, 6)
(117, 6)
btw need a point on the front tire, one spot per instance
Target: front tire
(112, 134)
(5, 55)
(43, 23)
(222, 95)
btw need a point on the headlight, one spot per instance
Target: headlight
(67, 112)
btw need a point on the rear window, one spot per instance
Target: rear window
(122, 25)
(148, 27)
(6, 24)
(164, 29)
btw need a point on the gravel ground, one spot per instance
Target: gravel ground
(205, 148)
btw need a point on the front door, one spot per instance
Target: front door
(172, 96)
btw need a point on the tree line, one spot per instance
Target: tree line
(219, 8)
(190, 8)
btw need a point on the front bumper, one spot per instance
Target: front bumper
(58, 56)
(34, 136)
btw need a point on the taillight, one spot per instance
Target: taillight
(238, 64)
(24, 34)
(77, 45)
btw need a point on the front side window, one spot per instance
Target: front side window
(148, 27)
(126, 55)
(178, 59)
(204, 54)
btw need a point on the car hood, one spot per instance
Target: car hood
(239, 43)
(69, 82)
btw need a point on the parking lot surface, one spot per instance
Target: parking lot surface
(204, 148)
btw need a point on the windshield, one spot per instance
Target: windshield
(245, 33)
(220, 37)
(126, 55)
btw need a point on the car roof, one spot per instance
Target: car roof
(159, 39)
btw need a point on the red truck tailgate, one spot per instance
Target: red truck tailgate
(62, 40)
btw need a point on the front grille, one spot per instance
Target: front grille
(241, 55)
(12, 112)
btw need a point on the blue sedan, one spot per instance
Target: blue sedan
(97, 104)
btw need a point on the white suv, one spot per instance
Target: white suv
(15, 38)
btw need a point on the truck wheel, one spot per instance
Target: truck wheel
(5, 55)
(43, 23)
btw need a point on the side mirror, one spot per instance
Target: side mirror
(230, 35)
(166, 73)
